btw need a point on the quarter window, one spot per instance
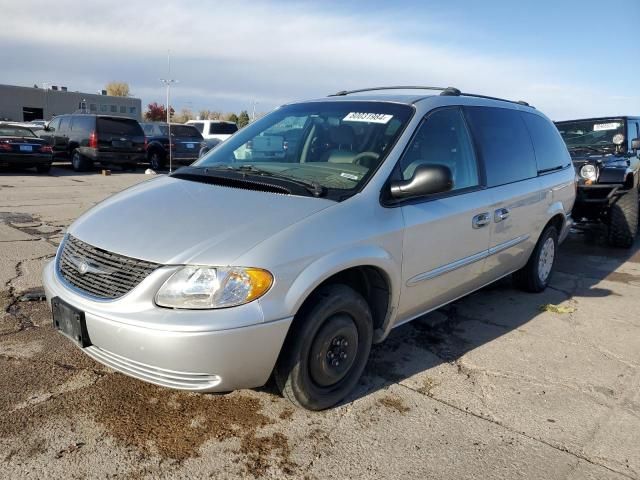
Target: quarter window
(503, 143)
(550, 150)
(442, 139)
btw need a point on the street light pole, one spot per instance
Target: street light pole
(168, 81)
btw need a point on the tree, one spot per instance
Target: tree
(209, 115)
(157, 113)
(231, 117)
(117, 89)
(243, 119)
(184, 116)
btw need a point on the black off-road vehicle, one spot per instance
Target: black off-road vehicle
(605, 155)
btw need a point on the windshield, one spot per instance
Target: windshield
(336, 145)
(591, 133)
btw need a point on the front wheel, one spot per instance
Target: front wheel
(535, 275)
(623, 220)
(326, 349)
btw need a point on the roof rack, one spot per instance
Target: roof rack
(444, 91)
(400, 87)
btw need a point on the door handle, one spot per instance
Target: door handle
(500, 215)
(481, 220)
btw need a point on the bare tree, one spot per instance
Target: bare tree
(209, 115)
(117, 89)
(183, 116)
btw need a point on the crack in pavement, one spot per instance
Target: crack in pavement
(561, 448)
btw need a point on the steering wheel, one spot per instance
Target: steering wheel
(358, 159)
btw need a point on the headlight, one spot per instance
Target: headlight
(209, 287)
(589, 172)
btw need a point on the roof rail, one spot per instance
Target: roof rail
(401, 87)
(448, 91)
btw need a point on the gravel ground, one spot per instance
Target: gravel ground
(501, 384)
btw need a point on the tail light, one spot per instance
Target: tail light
(5, 147)
(93, 140)
(46, 149)
(146, 143)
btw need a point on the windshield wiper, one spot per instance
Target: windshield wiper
(314, 188)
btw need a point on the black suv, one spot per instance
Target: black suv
(88, 139)
(186, 142)
(605, 155)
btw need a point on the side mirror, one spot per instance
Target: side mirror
(635, 144)
(426, 180)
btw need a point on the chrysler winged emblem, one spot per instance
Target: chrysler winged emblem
(82, 265)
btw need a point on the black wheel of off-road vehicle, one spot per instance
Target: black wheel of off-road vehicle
(623, 219)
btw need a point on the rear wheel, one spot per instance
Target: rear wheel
(157, 160)
(43, 168)
(623, 219)
(535, 275)
(79, 163)
(326, 349)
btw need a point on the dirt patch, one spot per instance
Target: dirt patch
(259, 452)
(394, 403)
(151, 419)
(428, 384)
(286, 414)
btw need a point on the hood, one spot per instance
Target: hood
(173, 221)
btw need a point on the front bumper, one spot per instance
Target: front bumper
(183, 349)
(599, 193)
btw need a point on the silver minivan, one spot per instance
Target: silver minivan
(370, 210)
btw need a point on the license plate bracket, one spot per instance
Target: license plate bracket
(26, 148)
(70, 321)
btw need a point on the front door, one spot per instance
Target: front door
(446, 237)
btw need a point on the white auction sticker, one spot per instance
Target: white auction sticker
(598, 127)
(367, 117)
(350, 176)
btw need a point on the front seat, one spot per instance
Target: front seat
(342, 139)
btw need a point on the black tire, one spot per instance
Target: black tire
(326, 349)
(531, 278)
(157, 160)
(78, 162)
(43, 168)
(623, 220)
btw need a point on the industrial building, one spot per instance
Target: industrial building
(24, 104)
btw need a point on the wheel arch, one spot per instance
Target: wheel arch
(373, 273)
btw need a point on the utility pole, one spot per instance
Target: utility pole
(253, 116)
(168, 81)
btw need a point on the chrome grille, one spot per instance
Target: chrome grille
(101, 273)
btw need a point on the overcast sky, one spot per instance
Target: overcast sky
(570, 58)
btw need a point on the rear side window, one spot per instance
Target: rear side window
(198, 126)
(119, 126)
(222, 128)
(503, 143)
(550, 150)
(82, 124)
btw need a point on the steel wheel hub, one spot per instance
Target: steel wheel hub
(334, 350)
(545, 262)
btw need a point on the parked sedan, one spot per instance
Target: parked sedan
(20, 147)
(186, 142)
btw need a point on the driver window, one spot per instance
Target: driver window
(443, 139)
